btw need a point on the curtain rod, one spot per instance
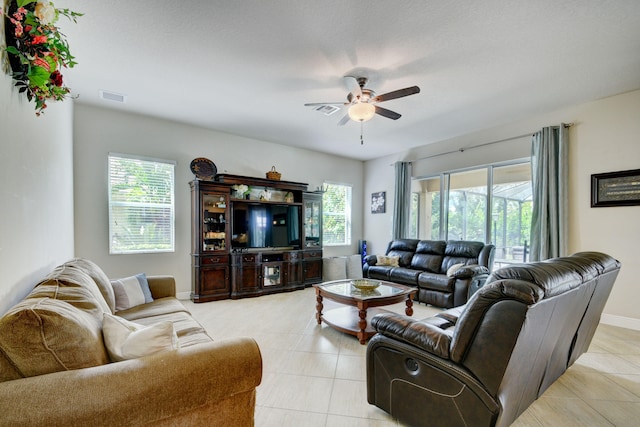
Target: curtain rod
(463, 149)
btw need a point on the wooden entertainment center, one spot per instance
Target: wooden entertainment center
(253, 236)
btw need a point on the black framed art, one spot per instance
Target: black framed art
(378, 202)
(620, 188)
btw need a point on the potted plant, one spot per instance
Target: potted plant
(37, 50)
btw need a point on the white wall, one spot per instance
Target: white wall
(98, 131)
(604, 138)
(36, 191)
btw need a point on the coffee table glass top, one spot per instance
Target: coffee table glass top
(345, 288)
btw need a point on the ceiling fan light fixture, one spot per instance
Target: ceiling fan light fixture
(361, 111)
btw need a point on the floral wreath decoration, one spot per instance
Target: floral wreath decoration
(37, 50)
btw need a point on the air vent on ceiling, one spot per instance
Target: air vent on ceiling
(112, 96)
(327, 110)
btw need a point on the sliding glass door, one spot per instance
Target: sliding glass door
(491, 204)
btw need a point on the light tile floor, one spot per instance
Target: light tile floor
(315, 376)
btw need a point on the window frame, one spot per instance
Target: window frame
(348, 209)
(171, 241)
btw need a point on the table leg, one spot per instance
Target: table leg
(319, 307)
(409, 309)
(362, 324)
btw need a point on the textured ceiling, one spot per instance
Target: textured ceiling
(247, 67)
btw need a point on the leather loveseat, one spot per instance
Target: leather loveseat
(446, 273)
(484, 363)
(56, 368)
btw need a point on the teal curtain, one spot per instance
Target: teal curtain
(402, 204)
(549, 176)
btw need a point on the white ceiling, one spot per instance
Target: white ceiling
(246, 67)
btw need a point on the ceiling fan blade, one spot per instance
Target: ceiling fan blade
(387, 113)
(315, 104)
(397, 94)
(353, 86)
(344, 120)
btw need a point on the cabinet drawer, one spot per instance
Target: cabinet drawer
(248, 257)
(221, 259)
(312, 254)
(292, 256)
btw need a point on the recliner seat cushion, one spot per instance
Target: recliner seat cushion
(437, 282)
(404, 275)
(380, 272)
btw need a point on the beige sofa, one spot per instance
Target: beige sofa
(56, 371)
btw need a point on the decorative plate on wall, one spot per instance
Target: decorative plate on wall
(204, 168)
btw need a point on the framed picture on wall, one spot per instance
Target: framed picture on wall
(378, 203)
(615, 189)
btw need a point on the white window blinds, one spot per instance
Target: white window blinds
(141, 205)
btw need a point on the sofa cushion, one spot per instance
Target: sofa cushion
(457, 252)
(429, 255)
(405, 276)
(438, 282)
(77, 296)
(99, 277)
(380, 272)
(157, 307)
(128, 340)
(63, 279)
(44, 335)
(403, 249)
(131, 291)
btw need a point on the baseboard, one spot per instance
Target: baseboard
(621, 321)
(183, 295)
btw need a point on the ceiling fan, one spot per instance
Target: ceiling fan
(361, 101)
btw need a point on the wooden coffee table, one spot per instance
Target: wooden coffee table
(360, 304)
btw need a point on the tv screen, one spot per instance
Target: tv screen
(265, 226)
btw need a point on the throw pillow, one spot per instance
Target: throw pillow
(128, 340)
(131, 291)
(455, 267)
(392, 261)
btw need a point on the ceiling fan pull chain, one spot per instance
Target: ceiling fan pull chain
(361, 130)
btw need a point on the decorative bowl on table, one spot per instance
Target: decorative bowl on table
(365, 284)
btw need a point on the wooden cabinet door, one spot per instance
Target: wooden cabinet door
(293, 273)
(246, 275)
(210, 279)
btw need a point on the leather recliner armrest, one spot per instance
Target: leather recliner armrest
(424, 334)
(469, 271)
(371, 259)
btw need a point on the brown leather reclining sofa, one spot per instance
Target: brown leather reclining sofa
(425, 264)
(484, 363)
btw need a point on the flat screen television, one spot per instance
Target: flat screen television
(258, 226)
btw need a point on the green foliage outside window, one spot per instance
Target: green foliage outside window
(141, 205)
(336, 214)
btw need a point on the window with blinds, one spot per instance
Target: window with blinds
(141, 205)
(336, 215)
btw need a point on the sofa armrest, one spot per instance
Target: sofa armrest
(371, 259)
(424, 334)
(469, 271)
(205, 384)
(162, 286)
